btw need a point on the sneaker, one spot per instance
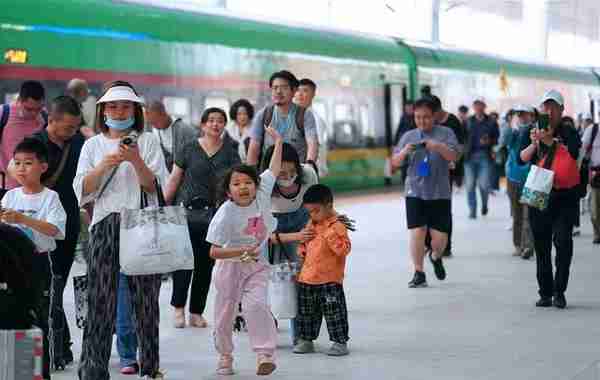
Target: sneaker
(338, 349)
(527, 254)
(544, 302)
(304, 347)
(132, 369)
(179, 322)
(472, 215)
(517, 252)
(576, 232)
(197, 320)
(560, 302)
(596, 240)
(484, 210)
(158, 375)
(419, 280)
(438, 267)
(265, 365)
(225, 365)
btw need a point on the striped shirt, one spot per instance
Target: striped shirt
(17, 127)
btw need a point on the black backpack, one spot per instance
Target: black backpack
(17, 297)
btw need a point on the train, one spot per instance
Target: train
(193, 59)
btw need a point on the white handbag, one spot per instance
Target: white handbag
(154, 240)
(538, 185)
(282, 292)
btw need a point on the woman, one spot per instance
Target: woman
(241, 114)
(555, 223)
(112, 174)
(198, 167)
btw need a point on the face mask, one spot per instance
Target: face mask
(120, 125)
(287, 182)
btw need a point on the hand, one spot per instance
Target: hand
(451, 165)
(130, 153)
(274, 134)
(306, 235)
(11, 216)
(432, 146)
(485, 140)
(110, 161)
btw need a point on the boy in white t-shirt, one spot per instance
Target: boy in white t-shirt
(37, 211)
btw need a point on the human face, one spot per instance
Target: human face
(479, 108)
(242, 189)
(288, 171)
(424, 119)
(554, 111)
(524, 118)
(119, 110)
(214, 125)
(28, 169)
(319, 212)
(30, 108)
(281, 92)
(157, 120)
(63, 126)
(304, 96)
(241, 117)
(409, 109)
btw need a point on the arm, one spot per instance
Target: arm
(43, 227)
(275, 164)
(312, 153)
(527, 154)
(92, 180)
(173, 183)
(338, 241)
(253, 152)
(444, 150)
(217, 252)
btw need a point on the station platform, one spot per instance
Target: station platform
(481, 323)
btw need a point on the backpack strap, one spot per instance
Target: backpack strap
(4, 118)
(44, 115)
(594, 134)
(300, 119)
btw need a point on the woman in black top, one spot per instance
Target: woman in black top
(198, 168)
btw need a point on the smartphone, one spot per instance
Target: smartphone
(543, 122)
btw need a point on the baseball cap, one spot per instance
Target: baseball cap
(553, 95)
(523, 108)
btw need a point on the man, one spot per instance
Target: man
(64, 144)
(79, 90)
(19, 120)
(516, 175)
(429, 149)
(482, 133)
(463, 115)
(591, 148)
(304, 98)
(173, 134)
(407, 121)
(284, 116)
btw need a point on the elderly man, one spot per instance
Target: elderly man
(78, 89)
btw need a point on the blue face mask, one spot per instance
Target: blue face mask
(120, 125)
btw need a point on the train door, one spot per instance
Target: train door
(394, 97)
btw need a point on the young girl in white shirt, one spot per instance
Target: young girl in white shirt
(239, 234)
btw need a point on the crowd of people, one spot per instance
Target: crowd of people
(250, 189)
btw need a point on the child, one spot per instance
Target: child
(320, 290)
(37, 211)
(239, 233)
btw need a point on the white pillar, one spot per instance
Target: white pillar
(535, 17)
(435, 21)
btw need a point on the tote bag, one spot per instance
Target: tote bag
(282, 283)
(154, 240)
(538, 185)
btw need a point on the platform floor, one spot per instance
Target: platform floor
(480, 323)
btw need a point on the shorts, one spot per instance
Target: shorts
(435, 214)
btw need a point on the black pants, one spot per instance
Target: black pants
(554, 225)
(316, 302)
(41, 286)
(428, 235)
(62, 261)
(202, 273)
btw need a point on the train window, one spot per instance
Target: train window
(178, 107)
(368, 129)
(11, 97)
(217, 101)
(343, 112)
(320, 109)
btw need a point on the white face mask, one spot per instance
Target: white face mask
(287, 182)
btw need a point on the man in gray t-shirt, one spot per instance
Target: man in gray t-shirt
(284, 119)
(428, 149)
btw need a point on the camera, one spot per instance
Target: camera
(130, 139)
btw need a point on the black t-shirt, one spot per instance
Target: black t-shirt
(454, 123)
(64, 184)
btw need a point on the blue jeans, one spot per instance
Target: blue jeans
(478, 172)
(127, 344)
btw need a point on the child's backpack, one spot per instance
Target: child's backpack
(16, 279)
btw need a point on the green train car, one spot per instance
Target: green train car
(192, 59)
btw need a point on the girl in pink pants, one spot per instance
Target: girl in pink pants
(239, 234)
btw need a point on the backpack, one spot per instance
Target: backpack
(268, 118)
(584, 169)
(6, 114)
(17, 295)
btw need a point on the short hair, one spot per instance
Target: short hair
(64, 104)
(318, 194)
(233, 110)
(288, 154)
(32, 89)
(76, 84)
(138, 112)
(156, 106)
(426, 90)
(285, 75)
(437, 103)
(425, 102)
(463, 109)
(409, 103)
(208, 111)
(308, 82)
(248, 170)
(32, 145)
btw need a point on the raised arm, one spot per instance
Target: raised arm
(275, 164)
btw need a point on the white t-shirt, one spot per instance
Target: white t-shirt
(124, 189)
(45, 206)
(284, 204)
(587, 136)
(235, 226)
(323, 141)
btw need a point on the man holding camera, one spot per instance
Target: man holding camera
(428, 149)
